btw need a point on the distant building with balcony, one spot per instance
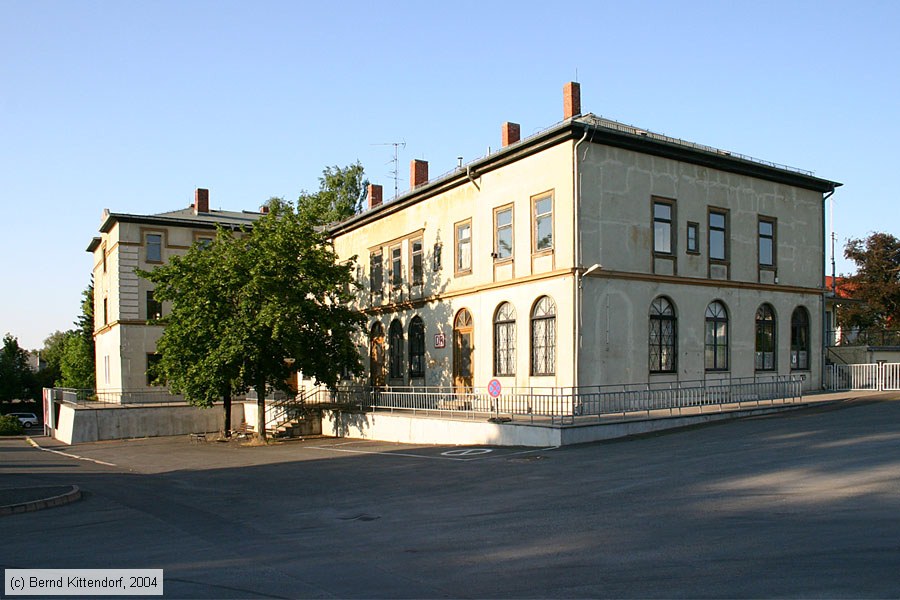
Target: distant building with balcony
(852, 345)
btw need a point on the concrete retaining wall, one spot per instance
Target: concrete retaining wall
(404, 429)
(80, 424)
(393, 427)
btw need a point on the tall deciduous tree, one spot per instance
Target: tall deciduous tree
(245, 304)
(16, 376)
(342, 191)
(204, 288)
(876, 282)
(78, 364)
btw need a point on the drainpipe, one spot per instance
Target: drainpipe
(576, 253)
(824, 333)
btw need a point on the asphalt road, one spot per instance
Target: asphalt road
(803, 504)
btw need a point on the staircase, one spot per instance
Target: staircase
(292, 417)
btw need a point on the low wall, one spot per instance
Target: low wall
(408, 429)
(80, 424)
(400, 428)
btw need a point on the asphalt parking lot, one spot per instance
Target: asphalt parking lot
(798, 504)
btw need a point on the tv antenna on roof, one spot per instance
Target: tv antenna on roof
(395, 162)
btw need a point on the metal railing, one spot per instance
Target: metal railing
(560, 405)
(286, 407)
(867, 376)
(863, 337)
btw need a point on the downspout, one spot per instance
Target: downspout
(824, 333)
(576, 253)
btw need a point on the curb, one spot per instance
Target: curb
(72, 495)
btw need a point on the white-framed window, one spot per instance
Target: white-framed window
(503, 233)
(542, 217)
(505, 340)
(415, 259)
(463, 246)
(543, 337)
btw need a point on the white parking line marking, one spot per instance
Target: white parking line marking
(66, 454)
(459, 455)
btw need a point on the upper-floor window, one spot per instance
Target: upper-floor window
(662, 227)
(376, 273)
(542, 215)
(396, 268)
(765, 338)
(766, 242)
(464, 246)
(800, 339)
(663, 336)
(154, 247)
(103, 253)
(718, 235)
(693, 237)
(154, 307)
(503, 226)
(415, 254)
(204, 242)
(105, 311)
(543, 337)
(716, 339)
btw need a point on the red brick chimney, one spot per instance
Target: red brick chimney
(375, 195)
(418, 173)
(201, 201)
(571, 100)
(509, 134)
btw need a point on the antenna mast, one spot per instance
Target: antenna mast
(395, 162)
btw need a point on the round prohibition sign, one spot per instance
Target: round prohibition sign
(494, 388)
(466, 452)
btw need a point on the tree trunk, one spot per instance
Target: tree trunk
(226, 400)
(261, 411)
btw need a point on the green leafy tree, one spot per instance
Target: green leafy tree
(245, 304)
(68, 356)
(876, 283)
(204, 287)
(341, 194)
(76, 365)
(51, 356)
(16, 376)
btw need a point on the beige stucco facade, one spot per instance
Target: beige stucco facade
(124, 337)
(540, 264)
(604, 192)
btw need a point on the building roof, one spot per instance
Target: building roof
(603, 131)
(185, 217)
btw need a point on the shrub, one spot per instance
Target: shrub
(9, 425)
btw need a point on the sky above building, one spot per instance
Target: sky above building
(132, 105)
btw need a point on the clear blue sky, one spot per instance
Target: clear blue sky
(132, 105)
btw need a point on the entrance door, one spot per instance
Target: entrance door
(376, 355)
(463, 351)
